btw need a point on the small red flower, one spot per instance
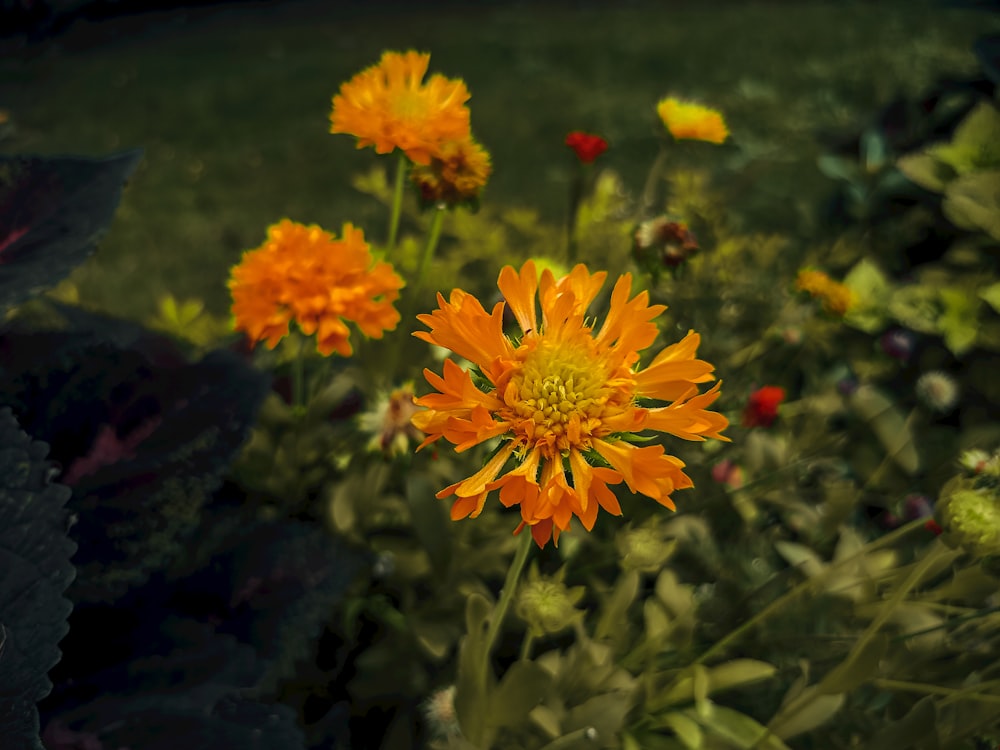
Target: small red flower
(762, 407)
(587, 147)
(934, 527)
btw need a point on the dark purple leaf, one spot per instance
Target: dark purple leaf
(53, 210)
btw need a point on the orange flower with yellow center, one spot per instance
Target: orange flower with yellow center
(836, 297)
(563, 398)
(303, 273)
(687, 120)
(456, 173)
(389, 106)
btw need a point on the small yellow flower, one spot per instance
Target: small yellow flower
(836, 297)
(456, 173)
(389, 106)
(303, 273)
(687, 120)
(563, 398)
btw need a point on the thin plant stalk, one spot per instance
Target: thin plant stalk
(433, 236)
(649, 191)
(397, 202)
(298, 376)
(803, 587)
(506, 597)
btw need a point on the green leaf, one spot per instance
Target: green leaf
(871, 290)
(927, 171)
(959, 320)
(889, 425)
(739, 672)
(874, 150)
(520, 690)
(973, 202)
(991, 295)
(975, 146)
(916, 306)
(737, 728)
(917, 727)
(615, 611)
(686, 729)
(804, 713)
(838, 168)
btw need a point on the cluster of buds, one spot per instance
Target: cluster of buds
(660, 243)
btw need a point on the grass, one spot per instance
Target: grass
(231, 107)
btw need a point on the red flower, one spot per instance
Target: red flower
(934, 527)
(587, 147)
(762, 407)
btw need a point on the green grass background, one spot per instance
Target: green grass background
(231, 106)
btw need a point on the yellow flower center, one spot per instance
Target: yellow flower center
(561, 393)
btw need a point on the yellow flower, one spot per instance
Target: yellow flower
(836, 297)
(693, 121)
(562, 398)
(388, 106)
(303, 273)
(456, 173)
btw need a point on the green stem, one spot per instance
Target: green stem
(506, 597)
(433, 235)
(298, 378)
(972, 693)
(526, 646)
(652, 180)
(397, 202)
(805, 586)
(576, 190)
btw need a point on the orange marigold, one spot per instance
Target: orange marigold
(388, 106)
(456, 173)
(563, 399)
(692, 121)
(836, 297)
(303, 273)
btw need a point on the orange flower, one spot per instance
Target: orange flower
(456, 173)
(692, 121)
(562, 398)
(836, 297)
(388, 106)
(302, 273)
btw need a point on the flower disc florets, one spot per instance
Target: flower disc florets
(563, 397)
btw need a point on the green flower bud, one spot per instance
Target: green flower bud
(546, 604)
(970, 516)
(646, 548)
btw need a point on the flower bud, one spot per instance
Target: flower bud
(546, 604)
(970, 516)
(646, 548)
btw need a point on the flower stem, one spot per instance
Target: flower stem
(576, 190)
(649, 191)
(506, 597)
(433, 235)
(397, 202)
(298, 378)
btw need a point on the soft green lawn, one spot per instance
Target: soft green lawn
(231, 107)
